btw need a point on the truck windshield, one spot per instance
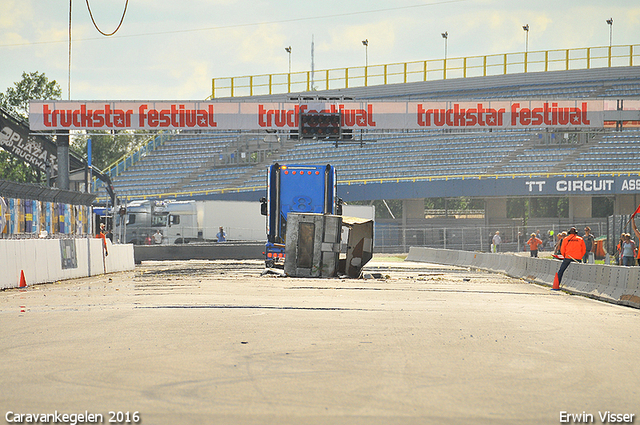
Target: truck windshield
(159, 220)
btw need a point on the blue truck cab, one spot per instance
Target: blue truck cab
(295, 188)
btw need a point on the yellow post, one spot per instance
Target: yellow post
(366, 69)
(588, 57)
(484, 66)
(505, 64)
(308, 79)
(346, 78)
(213, 88)
(567, 60)
(525, 61)
(546, 60)
(288, 83)
(327, 85)
(609, 56)
(385, 74)
(444, 69)
(231, 86)
(405, 72)
(631, 55)
(270, 83)
(251, 85)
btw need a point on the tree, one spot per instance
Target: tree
(106, 148)
(15, 101)
(34, 85)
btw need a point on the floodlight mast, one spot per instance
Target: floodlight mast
(526, 46)
(288, 50)
(445, 35)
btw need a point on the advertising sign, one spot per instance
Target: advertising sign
(197, 115)
(35, 150)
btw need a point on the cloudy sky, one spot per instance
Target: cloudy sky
(172, 50)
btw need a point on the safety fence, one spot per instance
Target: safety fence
(28, 218)
(427, 70)
(619, 285)
(394, 237)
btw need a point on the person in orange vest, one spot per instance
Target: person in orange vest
(103, 236)
(635, 230)
(534, 242)
(573, 249)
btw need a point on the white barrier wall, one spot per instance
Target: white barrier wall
(50, 260)
(616, 284)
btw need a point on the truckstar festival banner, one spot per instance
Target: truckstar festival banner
(156, 115)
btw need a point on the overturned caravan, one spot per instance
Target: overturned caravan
(326, 245)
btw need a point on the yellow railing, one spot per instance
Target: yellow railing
(167, 195)
(427, 70)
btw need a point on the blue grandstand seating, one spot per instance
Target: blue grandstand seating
(194, 162)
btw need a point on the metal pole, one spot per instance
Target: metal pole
(62, 142)
(444, 238)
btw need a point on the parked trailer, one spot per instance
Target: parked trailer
(189, 221)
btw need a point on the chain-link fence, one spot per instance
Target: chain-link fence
(393, 237)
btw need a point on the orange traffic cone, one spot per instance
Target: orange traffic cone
(23, 281)
(556, 283)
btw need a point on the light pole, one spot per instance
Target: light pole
(526, 45)
(365, 43)
(288, 50)
(445, 35)
(610, 23)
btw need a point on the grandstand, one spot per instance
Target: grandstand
(410, 165)
(206, 164)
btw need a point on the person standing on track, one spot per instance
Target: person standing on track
(588, 239)
(496, 241)
(222, 236)
(573, 249)
(628, 251)
(103, 236)
(534, 242)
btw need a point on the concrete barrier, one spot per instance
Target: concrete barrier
(631, 295)
(50, 260)
(615, 284)
(200, 251)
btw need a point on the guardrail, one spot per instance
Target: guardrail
(427, 70)
(615, 284)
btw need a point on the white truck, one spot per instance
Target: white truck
(189, 221)
(198, 221)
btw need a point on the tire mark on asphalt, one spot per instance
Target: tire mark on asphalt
(256, 307)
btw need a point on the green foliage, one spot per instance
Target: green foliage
(14, 169)
(106, 148)
(34, 85)
(601, 206)
(461, 203)
(516, 207)
(381, 209)
(15, 100)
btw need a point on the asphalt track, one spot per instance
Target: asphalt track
(214, 342)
